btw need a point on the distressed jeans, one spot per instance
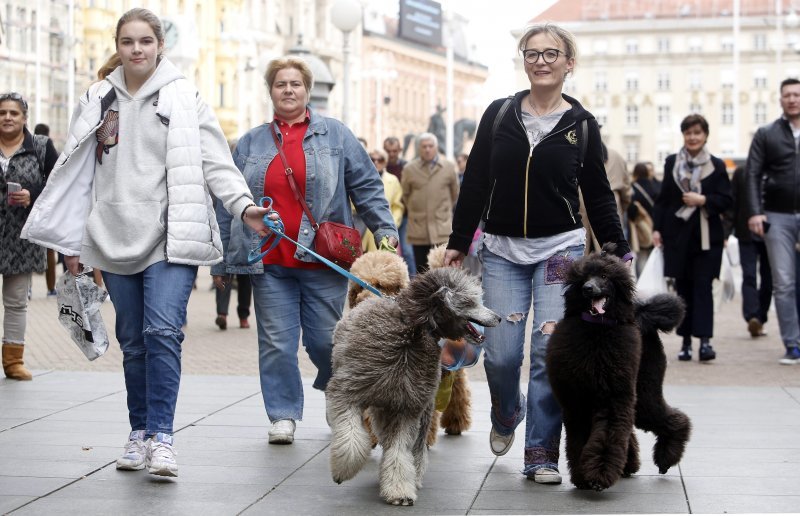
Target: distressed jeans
(287, 300)
(783, 235)
(151, 309)
(509, 289)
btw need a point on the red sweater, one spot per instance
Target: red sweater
(276, 186)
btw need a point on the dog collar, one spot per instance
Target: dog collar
(598, 319)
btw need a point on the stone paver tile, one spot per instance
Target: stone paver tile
(739, 503)
(154, 506)
(53, 452)
(30, 486)
(578, 502)
(754, 485)
(10, 502)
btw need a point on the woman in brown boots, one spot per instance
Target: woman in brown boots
(25, 163)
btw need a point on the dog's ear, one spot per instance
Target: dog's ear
(442, 306)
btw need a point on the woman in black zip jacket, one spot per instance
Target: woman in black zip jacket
(531, 153)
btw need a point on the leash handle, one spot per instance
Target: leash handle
(278, 232)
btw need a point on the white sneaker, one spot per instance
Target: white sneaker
(500, 444)
(161, 457)
(135, 452)
(282, 432)
(546, 476)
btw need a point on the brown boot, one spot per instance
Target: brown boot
(13, 365)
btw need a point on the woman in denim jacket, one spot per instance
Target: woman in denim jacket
(291, 289)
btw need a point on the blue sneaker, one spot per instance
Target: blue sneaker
(135, 451)
(791, 357)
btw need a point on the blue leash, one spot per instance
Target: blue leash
(278, 232)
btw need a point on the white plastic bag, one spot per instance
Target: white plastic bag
(732, 250)
(723, 288)
(652, 281)
(79, 301)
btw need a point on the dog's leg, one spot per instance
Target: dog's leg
(577, 431)
(671, 440)
(420, 450)
(433, 429)
(457, 416)
(373, 439)
(350, 443)
(605, 453)
(397, 470)
(633, 464)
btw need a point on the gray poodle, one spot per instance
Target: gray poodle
(386, 360)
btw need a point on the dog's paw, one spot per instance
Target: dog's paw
(597, 486)
(400, 501)
(452, 431)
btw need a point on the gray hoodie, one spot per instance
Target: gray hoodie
(126, 228)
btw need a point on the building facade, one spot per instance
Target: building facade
(643, 66)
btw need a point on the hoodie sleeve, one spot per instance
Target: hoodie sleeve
(223, 178)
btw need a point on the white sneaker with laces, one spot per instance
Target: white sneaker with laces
(135, 452)
(500, 444)
(282, 432)
(161, 457)
(546, 476)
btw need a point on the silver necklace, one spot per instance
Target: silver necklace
(530, 103)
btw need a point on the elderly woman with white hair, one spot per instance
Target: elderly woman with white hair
(291, 289)
(430, 189)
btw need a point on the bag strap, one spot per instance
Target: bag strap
(290, 177)
(642, 191)
(40, 148)
(500, 114)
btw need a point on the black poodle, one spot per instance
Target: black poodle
(606, 364)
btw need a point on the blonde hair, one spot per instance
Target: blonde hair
(109, 66)
(276, 65)
(145, 15)
(555, 32)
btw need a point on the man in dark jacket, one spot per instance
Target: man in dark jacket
(773, 202)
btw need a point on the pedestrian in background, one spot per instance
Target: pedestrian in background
(430, 190)
(394, 196)
(524, 179)
(291, 289)
(25, 162)
(141, 132)
(773, 197)
(753, 259)
(688, 224)
(394, 166)
(645, 189)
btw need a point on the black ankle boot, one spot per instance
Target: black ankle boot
(686, 350)
(706, 351)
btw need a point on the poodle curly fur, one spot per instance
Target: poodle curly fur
(386, 360)
(388, 273)
(607, 373)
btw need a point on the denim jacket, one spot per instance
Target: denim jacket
(338, 171)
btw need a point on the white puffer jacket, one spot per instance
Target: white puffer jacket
(58, 218)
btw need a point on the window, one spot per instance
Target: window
(726, 44)
(663, 45)
(632, 152)
(760, 79)
(663, 81)
(663, 152)
(760, 113)
(663, 116)
(600, 81)
(695, 44)
(695, 108)
(601, 117)
(631, 46)
(759, 41)
(22, 24)
(695, 79)
(600, 47)
(727, 113)
(631, 81)
(632, 115)
(726, 79)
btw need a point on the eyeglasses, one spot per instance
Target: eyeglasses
(549, 55)
(377, 160)
(15, 97)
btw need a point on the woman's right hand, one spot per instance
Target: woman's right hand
(453, 258)
(656, 239)
(73, 264)
(219, 281)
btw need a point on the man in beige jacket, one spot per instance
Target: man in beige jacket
(430, 190)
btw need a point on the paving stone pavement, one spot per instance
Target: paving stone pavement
(60, 435)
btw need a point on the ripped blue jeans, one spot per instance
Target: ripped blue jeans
(151, 309)
(509, 289)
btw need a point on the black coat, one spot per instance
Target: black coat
(680, 238)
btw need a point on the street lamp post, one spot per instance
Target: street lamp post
(346, 15)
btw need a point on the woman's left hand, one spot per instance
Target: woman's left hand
(254, 218)
(694, 199)
(20, 198)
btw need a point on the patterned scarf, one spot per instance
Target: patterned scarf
(687, 174)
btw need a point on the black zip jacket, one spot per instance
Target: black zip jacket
(773, 170)
(525, 192)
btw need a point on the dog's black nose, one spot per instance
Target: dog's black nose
(590, 288)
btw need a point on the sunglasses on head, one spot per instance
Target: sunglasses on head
(15, 97)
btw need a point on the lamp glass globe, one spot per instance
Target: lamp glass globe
(346, 14)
